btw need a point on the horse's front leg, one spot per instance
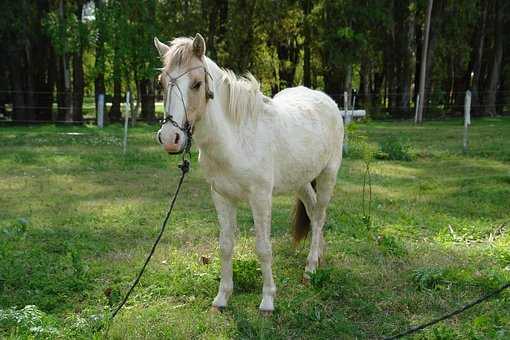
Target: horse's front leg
(226, 210)
(261, 209)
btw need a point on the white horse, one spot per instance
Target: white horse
(252, 147)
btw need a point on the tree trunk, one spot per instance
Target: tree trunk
(78, 86)
(16, 79)
(406, 60)
(364, 75)
(477, 55)
(307, 78)
(99, 66)
(78, 80)
(423, 67)
(490, 107)
(148, 97)
(29, 89)
(45, 99)
(63, 84)
(115, 114)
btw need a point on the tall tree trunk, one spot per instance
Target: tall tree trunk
(78, 78)
(438, 15)
(406, 29)
(490, 107)
(307, 8)
(63, 85)
(348, 84)
(423, 67)
(45, 99)
(64, 97)
(364, 75)
(99, 66)
(418, 40)
(115, 113)
(477, 55)
(288, 54)
(16, 79)
(78, 85)
(42, 64)
(29, 90)
(148, 100)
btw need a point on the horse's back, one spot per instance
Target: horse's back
(308, 134)
(311, 103)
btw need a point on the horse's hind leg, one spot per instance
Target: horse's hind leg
(227, 217)
(325, 184)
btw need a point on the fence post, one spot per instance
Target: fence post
(347, 120)
(126, 120)
(353, 104)
(467, 119)
(100, 111)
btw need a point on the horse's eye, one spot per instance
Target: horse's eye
(196, 85)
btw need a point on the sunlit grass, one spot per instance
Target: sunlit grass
(77, 218)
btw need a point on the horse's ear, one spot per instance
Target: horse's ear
(199, 45)
(162, 48)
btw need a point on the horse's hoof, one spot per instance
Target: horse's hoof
(266, 313)
(217, 309)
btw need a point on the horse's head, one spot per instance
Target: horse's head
(186, 85)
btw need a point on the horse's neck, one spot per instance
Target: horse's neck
(215, 133)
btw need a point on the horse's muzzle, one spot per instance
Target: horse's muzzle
(173, 148)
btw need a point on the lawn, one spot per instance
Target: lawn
(77, 218)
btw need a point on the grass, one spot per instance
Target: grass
(77, 219)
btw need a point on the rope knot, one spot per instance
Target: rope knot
(184, 166)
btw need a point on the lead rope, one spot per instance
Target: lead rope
(449, 315)
(184, 166)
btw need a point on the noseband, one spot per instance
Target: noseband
(172, 82)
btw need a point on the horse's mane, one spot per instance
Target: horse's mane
(243, 96)
(243, 91)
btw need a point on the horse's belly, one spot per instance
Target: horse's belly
(292, 173)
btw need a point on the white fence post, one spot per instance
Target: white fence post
(353, 104)
(347, 120)
(467, 119)
(126, 120)
(100, 111)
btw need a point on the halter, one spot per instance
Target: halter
(187, 128)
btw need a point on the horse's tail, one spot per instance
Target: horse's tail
(301, 224)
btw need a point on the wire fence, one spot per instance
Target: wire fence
(390, 103)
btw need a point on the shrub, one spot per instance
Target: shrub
(247, 275)
(429, 278)
(27, 322)
(396, 149)
(390, 245)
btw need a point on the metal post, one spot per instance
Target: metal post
(126, 120)
(467, 119)
(100, 111)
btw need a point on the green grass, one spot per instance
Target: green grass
(77, 219)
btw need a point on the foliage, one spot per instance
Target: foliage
(396, 149)
(247, 275)
(373, 47)
(28, 321)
